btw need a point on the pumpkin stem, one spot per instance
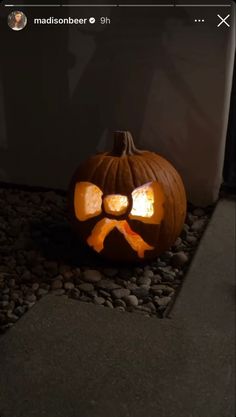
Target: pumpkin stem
(124, 144)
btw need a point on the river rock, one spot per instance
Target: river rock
(86, 287)
(107, 284)
(99, 300)
(130, 300)
(56, 284)
(69, 285)
(144, 280)
(179, 259)
(162, 301)
(119, 303)
(91, 275)
(120, 293)
(198, 226)
(141, 292)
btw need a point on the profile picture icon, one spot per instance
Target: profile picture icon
(17, 20)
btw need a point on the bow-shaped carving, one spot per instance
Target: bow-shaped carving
(147, 207)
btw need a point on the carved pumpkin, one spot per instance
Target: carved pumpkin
(127, 204)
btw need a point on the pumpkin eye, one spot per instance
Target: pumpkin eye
(148, 203)
(115, 204)
(87, 200)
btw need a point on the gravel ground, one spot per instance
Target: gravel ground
(39, 254)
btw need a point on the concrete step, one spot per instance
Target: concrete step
(70, 359)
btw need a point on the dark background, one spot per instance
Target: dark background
(49, 130)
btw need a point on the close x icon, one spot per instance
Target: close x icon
(223, 20)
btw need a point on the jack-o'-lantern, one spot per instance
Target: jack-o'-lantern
(127, 204)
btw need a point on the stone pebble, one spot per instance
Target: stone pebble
(108, 304)
(179, 259)
(99, 300)
(119, 303)
(144, 280)
(141, 292)
(120, 293)
(86, 287)
(69, 285)
(120, 308)
(198, 226)
(165, 289)
(56, 284)
(130, 300)
(91, 275)
(106, 284)
(162, 301)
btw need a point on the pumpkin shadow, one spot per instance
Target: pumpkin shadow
(57, 241)
(112, 91)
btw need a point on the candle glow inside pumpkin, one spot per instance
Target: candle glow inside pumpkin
(88, 200)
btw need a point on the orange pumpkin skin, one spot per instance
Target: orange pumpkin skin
(121, 171)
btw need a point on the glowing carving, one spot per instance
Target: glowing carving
(105, 226)
(87, 200)
(115, 204)
(147, 207)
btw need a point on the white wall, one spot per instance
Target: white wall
(168, 81)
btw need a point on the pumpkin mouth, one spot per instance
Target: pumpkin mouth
(105, 226)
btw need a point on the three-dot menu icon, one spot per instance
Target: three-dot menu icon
(199, 20)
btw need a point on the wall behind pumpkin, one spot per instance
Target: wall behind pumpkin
(159, 76)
